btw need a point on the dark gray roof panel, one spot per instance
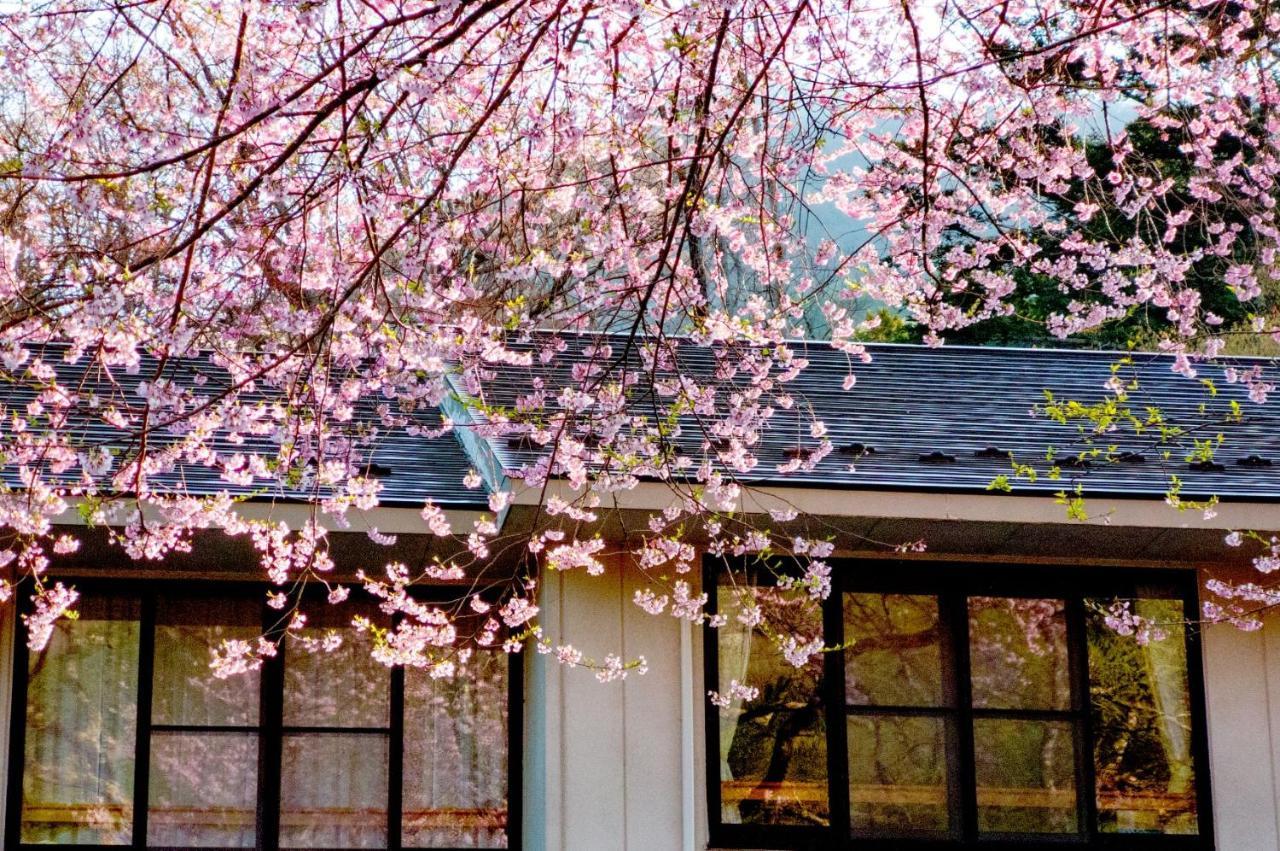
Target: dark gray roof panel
(943, 405)
(411, 468)
(930, 414)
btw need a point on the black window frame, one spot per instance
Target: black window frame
(270, 729)
(952, 582)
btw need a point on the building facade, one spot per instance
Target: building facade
(983, 693)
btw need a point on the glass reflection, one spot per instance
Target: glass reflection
(1018, 653)
(894, 656)
(1026, 775)
(773, 750)
(898, 774)
(1141, 706)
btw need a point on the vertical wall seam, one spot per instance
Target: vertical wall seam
(626, 742)
(688, 783)
(561, 803)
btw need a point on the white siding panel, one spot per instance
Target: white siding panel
(593, 737)
(605, 764)
(1271, 674)
(1241, 687)
(542, 790)
(654, 790)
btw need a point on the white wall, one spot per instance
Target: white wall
(616, 766)
(1242, 691)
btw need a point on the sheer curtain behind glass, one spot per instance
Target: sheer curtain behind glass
(81, 717)
(455, 757)
(336, 748)
(204, 741)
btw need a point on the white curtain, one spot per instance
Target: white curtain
(1166, 664)
(333, 785)
(455, 757)
(81, 721)
(203, 784)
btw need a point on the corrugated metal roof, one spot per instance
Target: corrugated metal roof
(949, 418)
(412, 469)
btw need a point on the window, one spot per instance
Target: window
(123, 738)
(970, 706)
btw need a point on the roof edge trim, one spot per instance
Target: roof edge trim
(477, 449)
(920, 505)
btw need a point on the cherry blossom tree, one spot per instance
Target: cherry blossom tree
(347, 199)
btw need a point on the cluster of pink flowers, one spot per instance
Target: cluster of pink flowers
(240, 244)
(50, 605)
(737, 692)
(1120, 617)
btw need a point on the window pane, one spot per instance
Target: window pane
(203, 789)
(1018, 653)
(81, 717)
(455, 757)
(898, 774)
(895, 652)
(185, 690)
(773, 750)
(1142, 723)
(345, 687)
(333, 791)
(1026, 776)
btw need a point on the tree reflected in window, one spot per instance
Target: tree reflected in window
(898, 763)
(961, 707)
(1142, 723)
(773, 766)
